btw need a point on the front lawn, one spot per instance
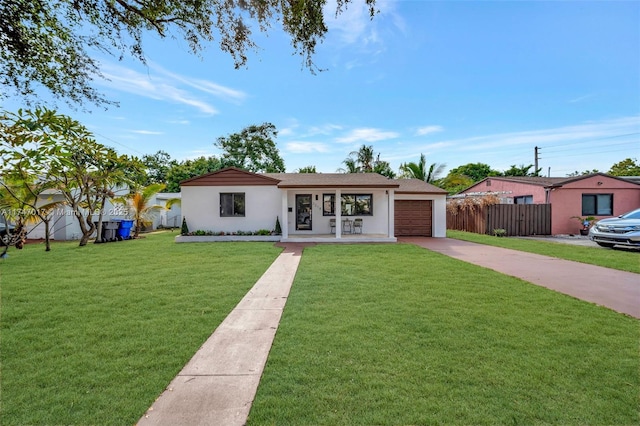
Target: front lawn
(623, 260)
(395, 334)
(92, 335)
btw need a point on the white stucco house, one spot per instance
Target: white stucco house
(368, 207)
(166, 218)
(64, 224)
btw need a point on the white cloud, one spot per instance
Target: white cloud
(147, 132)
(422, 131)
(180, 122)
(367, 134)
(168, 86)
(325, 129)
(215, 89)
(581, 98)
(305, 147)
(590, 132)
(355, 25)
(287, 131)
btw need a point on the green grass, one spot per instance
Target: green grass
(92, 335)
(395, 334)
(624, 260)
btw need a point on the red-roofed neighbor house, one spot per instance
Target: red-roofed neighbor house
(598, 195)
(309, 204)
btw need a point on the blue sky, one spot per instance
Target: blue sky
(459, 81)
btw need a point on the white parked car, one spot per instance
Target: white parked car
(623, 230)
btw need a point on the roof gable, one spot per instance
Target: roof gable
(417, 186)
(546, 182)
(332, 180)
(582, 177)
(231, 176)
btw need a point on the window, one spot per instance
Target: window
(328, 205)
(597, 204)
(231, 204)
(352, 205)
(523, 199)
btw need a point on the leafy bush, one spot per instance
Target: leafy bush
(499, 232)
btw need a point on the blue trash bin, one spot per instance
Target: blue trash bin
(124, 229)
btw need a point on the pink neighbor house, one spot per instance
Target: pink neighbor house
(598, 195)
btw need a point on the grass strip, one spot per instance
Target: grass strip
(92, 335)
(395, 334)
(624, 260)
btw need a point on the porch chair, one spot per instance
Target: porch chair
(332, 226)
(357, 224)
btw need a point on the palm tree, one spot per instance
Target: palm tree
(364, 157)
(351, 166)
(365, 161)
(420, 171)
(138, 201)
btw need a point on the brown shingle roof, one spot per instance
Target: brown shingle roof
(332, 180)
(416, 186)
(532, 180)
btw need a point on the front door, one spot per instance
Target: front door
(303, 212)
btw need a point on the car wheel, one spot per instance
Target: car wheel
(607, 245)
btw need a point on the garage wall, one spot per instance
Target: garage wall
(427, 213)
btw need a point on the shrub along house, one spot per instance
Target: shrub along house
(598, 195)
(334, 207)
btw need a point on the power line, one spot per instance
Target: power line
(582, 154)
(118, 143)
(610, 144)
(592, 140)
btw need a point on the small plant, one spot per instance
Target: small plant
(263, 232)
(185, 229)
(278, 229)
(585, 223)
(499, 232)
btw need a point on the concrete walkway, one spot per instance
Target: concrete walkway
(218, 384)
(614, 289)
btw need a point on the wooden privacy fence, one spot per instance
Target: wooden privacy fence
(515, 219)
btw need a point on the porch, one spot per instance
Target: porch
(344, 238)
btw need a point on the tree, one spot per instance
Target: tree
(24, 201)
(187, 169)
(454, 183)
(362, 161)
(47, 42)
(626, 167)
(474, 171)
(115, 173)
(383, 168)
(138, 201)
(43, 143)
(521, 170)
(252, 149)
(307, 169)
(420, 170)
(364, 157)
(583, 173)
(157, 166)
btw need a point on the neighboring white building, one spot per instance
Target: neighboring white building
(167, 218)
(64, 224)
(232, 200)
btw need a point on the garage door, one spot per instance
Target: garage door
(413, 218)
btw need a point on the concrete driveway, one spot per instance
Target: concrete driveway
(617, 290)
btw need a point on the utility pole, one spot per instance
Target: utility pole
(536, 156)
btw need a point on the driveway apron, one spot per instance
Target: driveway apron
(617, 290)
(218, 384)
